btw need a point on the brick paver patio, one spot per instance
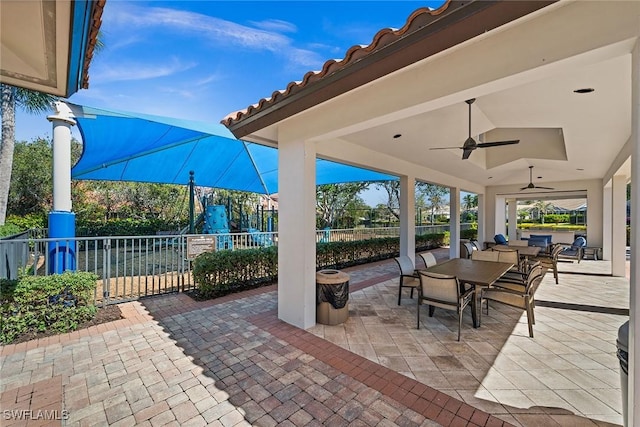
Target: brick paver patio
(175, 361)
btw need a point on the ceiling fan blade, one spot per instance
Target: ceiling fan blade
(466, 154)
(545, 188)
(524, 188)
(498, 143)
(444, 148)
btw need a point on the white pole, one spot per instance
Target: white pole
(62, 121)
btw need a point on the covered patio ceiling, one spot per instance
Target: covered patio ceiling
(523, 72)
(47, 46)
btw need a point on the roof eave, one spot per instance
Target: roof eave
(426, 33)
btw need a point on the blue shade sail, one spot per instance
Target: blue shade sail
(121, 146)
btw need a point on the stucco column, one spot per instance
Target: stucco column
(619, 226)
(595, 220)
(296, 232)
(607, 199)
(481, 219)
(61, 220)
(500, 217)
(62, 121)
(408, 217)
(634, 297)
(512, 206)
(454, 222)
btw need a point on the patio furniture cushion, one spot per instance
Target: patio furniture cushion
(575, 251)
(540, 240)
(500, 239)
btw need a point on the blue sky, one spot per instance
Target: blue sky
(201, 60)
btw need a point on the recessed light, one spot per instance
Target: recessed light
(397, 135)
(579, 169)
(490, 177)
(584, 90)
(539, 177)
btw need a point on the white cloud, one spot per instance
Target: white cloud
(208, 79)
(217, 30)
(140, 70)
(275, 25)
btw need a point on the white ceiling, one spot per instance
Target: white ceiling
(35, 38)
(523, 76)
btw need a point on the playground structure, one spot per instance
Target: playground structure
(215, 219)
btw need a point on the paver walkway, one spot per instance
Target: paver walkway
(174, 361)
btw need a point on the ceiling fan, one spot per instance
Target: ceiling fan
(531, 185)
(470, 144)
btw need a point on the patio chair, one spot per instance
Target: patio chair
(519, 297)
(408, 276)
(487, 255)
(550, 261)
(575, 251)
(466, 249)
(429, 259)
(439, 290)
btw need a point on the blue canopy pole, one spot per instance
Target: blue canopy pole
(62, 221)
(191, 203)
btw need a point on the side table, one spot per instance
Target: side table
(592, 252)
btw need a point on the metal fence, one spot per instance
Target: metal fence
(130, 267)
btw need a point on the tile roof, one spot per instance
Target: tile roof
(426, 32)
(96, 22)
(384, 37)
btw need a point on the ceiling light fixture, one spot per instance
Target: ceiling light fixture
(397, 135)
(584, 90)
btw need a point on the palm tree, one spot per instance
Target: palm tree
(542, 207)
(467, 202)
(31, 102)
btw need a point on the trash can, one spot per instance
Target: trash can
(623, 356)
(332, 297)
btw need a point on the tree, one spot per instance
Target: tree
(393, 196)
(333, 199)
(31, 102)
(542, 207)
(31, 182)
(435, 196)
(469, 201)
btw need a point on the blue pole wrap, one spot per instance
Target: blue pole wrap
(62, 252)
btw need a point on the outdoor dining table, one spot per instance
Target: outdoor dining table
(477, 273)
(524, 251)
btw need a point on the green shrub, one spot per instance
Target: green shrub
(59, 303)
(551, 227)
(126, 227)
(9, 230)
(470, 234)
(27, 222)
(223, 272)
(556, 218)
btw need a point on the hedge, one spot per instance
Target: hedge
(223, 272)
(125, 227)
(58, 303)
